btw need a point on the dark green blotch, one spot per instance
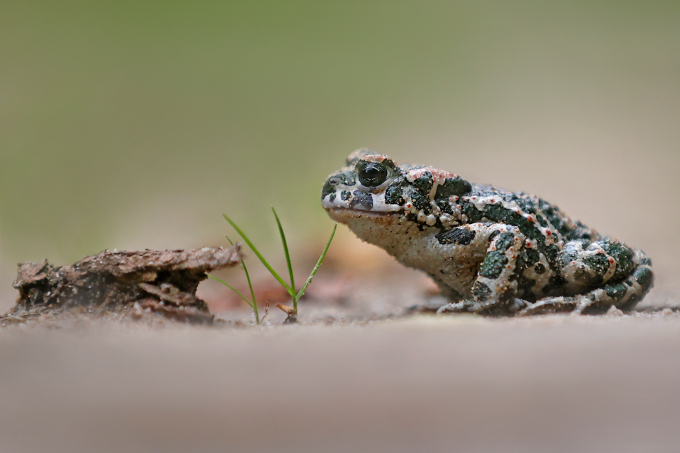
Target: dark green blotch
(473, 214)
(623, 256)
(599, 263)
(460, 236)
(644, 277)
(539, 268)
(453, 186)
(498, 214)
(420, 201)
(555, 217)
(531, 257)
(504, 241)
(347, 178)
(525, 205)
(551, 252)
(493, 264)
(331, 184)
(329, 187)
(481, 291)
(444, 205)
(424, 183)
(332, 197)
(393, 195)
(345, 195)
(616, 292)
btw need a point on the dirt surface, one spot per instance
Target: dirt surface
(355, 376)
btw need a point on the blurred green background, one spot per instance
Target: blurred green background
(136, 124)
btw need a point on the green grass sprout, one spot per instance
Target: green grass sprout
(285, 250)
(316, 267)
(250, 285)
(257, 253)
(251, 303)
(290, 288)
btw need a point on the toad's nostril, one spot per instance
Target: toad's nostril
(334, 181)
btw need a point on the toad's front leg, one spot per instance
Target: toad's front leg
(495, 284)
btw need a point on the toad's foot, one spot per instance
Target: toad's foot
(500, 308)
(555, 305)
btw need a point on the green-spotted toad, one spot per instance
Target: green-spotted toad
(490, 251)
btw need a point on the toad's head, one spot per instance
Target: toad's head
(373, 187)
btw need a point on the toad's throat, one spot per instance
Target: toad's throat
(381, 228)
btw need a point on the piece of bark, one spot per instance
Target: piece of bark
(162, 282)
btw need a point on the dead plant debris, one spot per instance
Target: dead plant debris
(129, 284)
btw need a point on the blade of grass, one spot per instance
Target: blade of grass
(316, 268)
(257, 253)
(233, 289)
(285, 250)
(252, 293)
(250, 285)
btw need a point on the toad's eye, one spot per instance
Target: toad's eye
(371, 174)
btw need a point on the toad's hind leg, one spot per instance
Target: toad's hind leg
(495, 285)
(623, 275)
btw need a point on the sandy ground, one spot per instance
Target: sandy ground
(423, 383)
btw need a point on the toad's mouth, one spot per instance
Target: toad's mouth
(343, 215)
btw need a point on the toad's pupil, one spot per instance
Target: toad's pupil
(372, 174)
